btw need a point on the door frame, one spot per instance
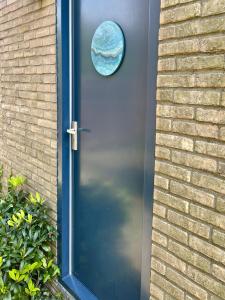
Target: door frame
(65, 155)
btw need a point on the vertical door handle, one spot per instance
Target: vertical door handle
(73, 133)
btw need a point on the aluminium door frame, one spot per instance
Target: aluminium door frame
(65, 154)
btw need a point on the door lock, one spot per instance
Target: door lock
(74, 136)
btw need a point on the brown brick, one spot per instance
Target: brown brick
(166, 95)
(174, 141)
(157, 292)
(207, 249)
(194, 27)
(201, 62)
(195, 129)
(168, 3)
(173, 81)
(162, 152)
(189, 256)
(167, 64)
(161, 182)
(47, 124)
(180, 13)
(210, 80)
(208, 216)
(212, 7)
(158, 266)
(159, 210)
(209, 182)
(218, 272)
(197, 97)
(175, 112)
(168, 258)
(222, 134)
(223, 99)
(194, 161)
(173, 171)
(188, 224)
(210, 115)
(188, 297)
(167, 286)
(159, 238)
(218, 238)
(171, 201)
(186, 284)
(207, 282)
(167, 32)
(213, 297)
(168, 297)
(221, 168)
(180, 47)
(163, 124)
(211, 149)
(170, 230)
(194, 194)
(212, 44)
(220, 205)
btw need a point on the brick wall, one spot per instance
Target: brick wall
(28, 99)
(28, 92)
(189, 223)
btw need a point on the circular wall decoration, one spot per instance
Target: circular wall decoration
(107, 48)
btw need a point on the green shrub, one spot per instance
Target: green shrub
(26, 236)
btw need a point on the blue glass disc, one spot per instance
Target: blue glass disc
(107, 48)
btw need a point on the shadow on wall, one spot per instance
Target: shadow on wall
(103, 230)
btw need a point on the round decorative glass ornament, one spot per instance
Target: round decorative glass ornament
(107, 48)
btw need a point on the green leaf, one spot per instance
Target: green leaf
(50, 263)
(35, 265)
(40, 254)
(30, 285)
(1, 261)
(44, 262)
(21, 214)
(29, 218)
(36, 234)
(1, 281)
(46, 248)
(11, 223)
(32, 199)
(12, 274)
(26, 236)
(32, 289)
(46, 277)
(16, 181)
(27, 291)
(28, 251)
(56, 271)
(38, 197)
(20, 278)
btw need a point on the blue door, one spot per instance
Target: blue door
(108, 239)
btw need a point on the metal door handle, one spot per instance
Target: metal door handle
(73, 133)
